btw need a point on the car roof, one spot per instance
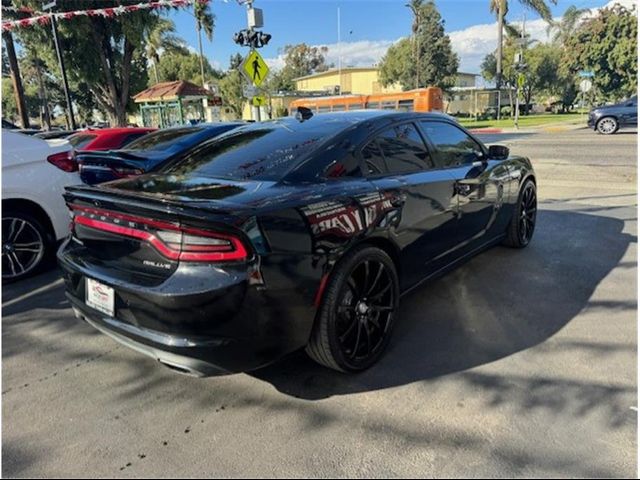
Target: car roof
(336, 121)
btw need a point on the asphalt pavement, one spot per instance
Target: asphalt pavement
(521, 363)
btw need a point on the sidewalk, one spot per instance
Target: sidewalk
(549, 128)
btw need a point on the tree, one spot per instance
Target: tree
(300, 60)
(501, 8)
(563, 30)
(230, 86)
(9, 106)
(512, 45)
(161, 39)
(16, 79)
(205, 20)
(607, 44)
(184, 66)
(106, 54)
(541, 75)
(433, 62)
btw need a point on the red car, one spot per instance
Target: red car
(106, 138)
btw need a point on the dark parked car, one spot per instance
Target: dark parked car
(289, 234)
(609, 119)
(147, 153)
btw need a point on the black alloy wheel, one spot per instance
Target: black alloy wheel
(24, 245)
(523, 221)
(360, 303)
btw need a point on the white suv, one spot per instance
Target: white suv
(34, 215)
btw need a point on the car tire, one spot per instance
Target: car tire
(359, 306)
(26, 245)
(523, 220)
(607, 126)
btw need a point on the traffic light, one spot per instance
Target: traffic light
(263, 39)
(249, 38)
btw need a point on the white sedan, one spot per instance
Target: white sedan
(34, 215)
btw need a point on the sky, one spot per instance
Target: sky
(368, 27)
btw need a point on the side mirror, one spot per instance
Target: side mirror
(499, 152)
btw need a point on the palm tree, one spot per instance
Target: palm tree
(160, 38)
(567, 25)
(205, 20)
(500, 8)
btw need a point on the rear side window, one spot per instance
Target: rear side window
(397, 150)
(453, 146)
(81, 140)
(130, 138)
(261, 153)
(162, 139)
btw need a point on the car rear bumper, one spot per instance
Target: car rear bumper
(202, 320)
(186, 362)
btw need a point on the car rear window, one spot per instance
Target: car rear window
(259, 153)
(163, 139)
(80, 141)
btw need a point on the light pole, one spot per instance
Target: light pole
(72, 121)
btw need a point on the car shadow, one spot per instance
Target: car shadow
(501, 302)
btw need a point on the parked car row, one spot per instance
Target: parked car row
(225, 247)
(37, 167)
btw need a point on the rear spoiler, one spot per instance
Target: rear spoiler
(108, 154)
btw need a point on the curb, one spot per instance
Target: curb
(486, 130)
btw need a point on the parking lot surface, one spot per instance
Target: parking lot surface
(519, 363)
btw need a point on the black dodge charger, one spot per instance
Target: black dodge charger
(296, 233)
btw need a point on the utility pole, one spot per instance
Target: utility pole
(18, 90)
(54, 27)
(501, 14)
(253, 67)
(339, 57)
(520, 69)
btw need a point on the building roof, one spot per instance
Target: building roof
(332, 71)
(165, 91)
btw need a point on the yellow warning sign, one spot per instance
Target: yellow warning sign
(258, 101)
(254, 68)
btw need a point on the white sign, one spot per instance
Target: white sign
(249, 91)
(586, 85)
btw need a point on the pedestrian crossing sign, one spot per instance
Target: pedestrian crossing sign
(254, 68)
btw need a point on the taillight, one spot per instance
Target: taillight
(64, 161)
(169, 239)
